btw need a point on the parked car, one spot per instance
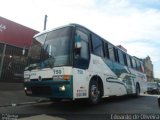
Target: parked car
(153, 88)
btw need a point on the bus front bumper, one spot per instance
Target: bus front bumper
(50, 89)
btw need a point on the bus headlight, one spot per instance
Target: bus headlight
(66, 77)
(25, 88)
(62, 88)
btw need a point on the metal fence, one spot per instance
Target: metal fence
(12, 63)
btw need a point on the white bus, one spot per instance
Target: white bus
(72, 62)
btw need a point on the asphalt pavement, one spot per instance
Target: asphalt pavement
(13, 100)
(12, 94)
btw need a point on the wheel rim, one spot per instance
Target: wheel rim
(94, 93)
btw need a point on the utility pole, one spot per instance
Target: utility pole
(45, 22)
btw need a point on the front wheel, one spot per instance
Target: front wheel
(137, 91)
(94, 92)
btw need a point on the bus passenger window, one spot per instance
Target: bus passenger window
(84, 51)
(111, 52)
(97, 45)
(125, 59)
(128, 61)
(116, 55)
(134, 63)
(138, 66)
(131, 62)
(121, 59)
(142, 68)
(106, 50)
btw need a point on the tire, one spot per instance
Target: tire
(137, 90)
(94, 93)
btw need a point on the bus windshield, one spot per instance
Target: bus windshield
(51, 49)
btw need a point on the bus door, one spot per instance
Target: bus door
(81, 63)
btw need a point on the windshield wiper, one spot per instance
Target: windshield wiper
(50, 62)
(32, 66)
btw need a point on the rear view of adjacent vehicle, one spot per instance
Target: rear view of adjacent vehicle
(153, 88)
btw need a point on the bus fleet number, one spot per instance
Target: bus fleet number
(57, 72)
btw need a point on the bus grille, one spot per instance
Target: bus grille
(44, 79)
(41, 90)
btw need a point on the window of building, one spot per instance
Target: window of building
(97, 45)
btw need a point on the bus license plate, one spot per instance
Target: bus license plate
(29, 92)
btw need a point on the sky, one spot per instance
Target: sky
(134, 24)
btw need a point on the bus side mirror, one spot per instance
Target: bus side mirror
(78, 42)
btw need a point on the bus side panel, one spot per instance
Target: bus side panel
(105, 70)
(141, 79)
(80, 83)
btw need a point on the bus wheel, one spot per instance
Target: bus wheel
(94, 92)
(137, 90)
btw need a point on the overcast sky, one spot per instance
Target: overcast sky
(135, 24)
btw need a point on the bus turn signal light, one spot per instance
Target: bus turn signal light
(66, 77)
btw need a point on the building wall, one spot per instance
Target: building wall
(14, 63)
(1, 50)
(15, 34)
(14, 40)
(148, 66)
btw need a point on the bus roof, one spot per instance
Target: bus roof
(46, 31)
(78, 25)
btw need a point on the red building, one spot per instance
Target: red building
(15, 40)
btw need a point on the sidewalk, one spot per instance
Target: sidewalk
(10, 86)
(13, 93)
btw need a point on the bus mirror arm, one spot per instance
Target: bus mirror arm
(77, 53)
(78, 46)
(78, 42)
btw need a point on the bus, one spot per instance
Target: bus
(72, 62)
